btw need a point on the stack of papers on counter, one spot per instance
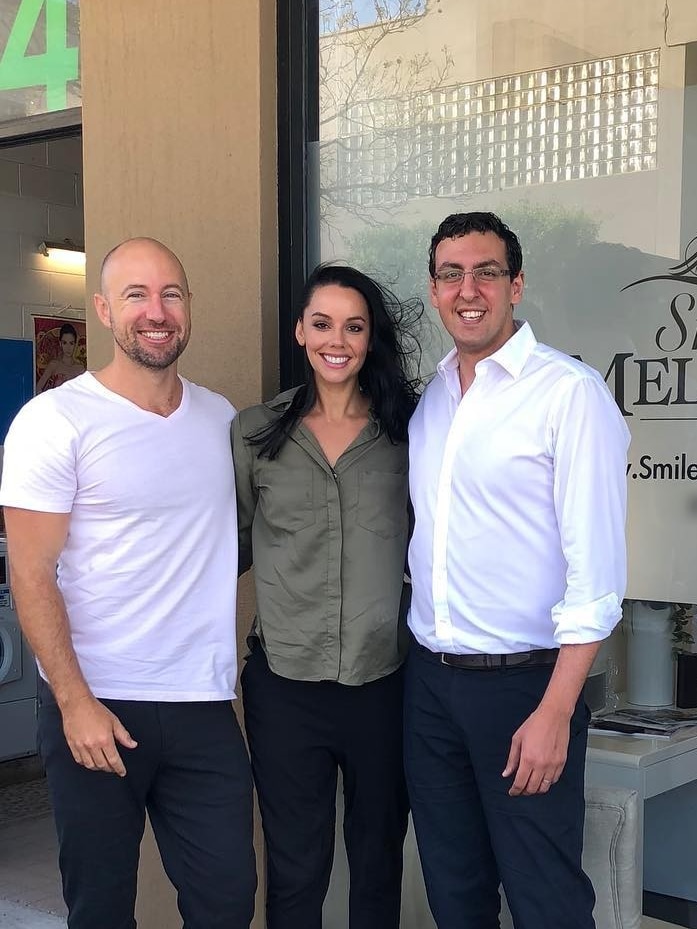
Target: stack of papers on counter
(660, 723)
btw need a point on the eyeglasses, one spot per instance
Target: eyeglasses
(487, 274)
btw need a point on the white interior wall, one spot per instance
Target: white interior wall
(40, 198)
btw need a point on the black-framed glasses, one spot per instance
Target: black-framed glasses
(487, 274)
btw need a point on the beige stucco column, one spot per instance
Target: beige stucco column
(179, 131)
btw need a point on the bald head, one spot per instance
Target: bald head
(139, 245)
(146, 303)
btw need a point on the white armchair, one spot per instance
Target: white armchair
(609, 858)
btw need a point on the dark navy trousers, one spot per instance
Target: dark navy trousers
(471, 834)
(192, 774)
(300, 734)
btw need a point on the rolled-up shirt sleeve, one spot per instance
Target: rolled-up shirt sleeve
(589, 441)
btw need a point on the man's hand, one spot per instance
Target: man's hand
(92, 732)
(35, 541)
(538, 752)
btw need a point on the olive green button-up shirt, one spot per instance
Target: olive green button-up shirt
(328, 547)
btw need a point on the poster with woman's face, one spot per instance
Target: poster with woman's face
(60, 350)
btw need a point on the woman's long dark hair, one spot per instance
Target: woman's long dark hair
(384, 377)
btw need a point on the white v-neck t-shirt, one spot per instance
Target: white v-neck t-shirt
(149, 569)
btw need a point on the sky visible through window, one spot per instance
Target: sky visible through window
(349, 14)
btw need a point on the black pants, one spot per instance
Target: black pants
(191, 772)
(300, 733)
(471, 834)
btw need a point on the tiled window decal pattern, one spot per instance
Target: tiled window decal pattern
(592, 119)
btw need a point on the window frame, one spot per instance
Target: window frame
(298, 129)
(42, 125)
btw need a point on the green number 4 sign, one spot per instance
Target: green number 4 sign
(52, 69)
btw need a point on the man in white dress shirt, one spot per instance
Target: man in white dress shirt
(518, 481)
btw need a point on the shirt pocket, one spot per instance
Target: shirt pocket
(286, 498)
(382, 502)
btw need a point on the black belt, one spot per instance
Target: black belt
(482, 662)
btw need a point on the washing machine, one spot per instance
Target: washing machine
(18, 676)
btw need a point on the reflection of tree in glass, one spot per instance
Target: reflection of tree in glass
(371, 93)
(398, 256)
(336, 15)
(553, 239)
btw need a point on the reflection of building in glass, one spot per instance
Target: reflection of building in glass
(592, 119)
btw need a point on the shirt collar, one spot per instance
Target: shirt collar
(512, 356)
(282, 401)
(447, 370)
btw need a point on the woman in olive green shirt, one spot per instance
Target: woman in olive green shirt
(322, 495)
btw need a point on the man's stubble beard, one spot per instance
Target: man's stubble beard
(154, 361)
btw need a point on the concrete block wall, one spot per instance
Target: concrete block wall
(40, 198)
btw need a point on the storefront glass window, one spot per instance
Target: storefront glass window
(39, 57)
(578, 125)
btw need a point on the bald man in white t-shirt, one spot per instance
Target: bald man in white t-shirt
(123, 478)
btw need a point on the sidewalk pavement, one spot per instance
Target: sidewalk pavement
(16, 916)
